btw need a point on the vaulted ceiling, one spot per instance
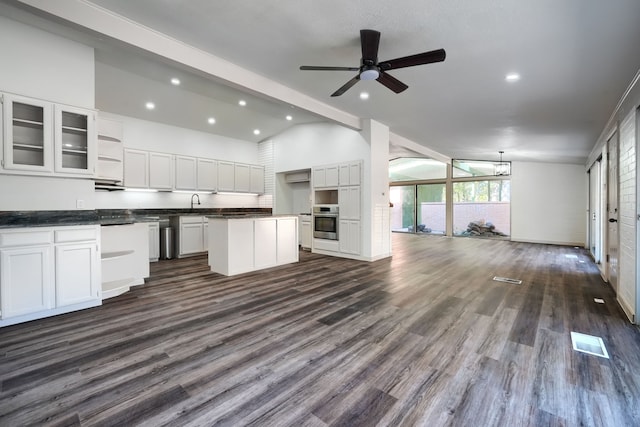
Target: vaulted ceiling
(575, 59)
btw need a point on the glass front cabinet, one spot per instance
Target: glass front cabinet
(43, 138)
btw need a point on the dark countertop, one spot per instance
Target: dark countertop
(18, 219)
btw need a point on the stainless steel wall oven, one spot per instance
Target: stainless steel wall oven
(325, 222)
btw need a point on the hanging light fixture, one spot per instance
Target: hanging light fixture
(502, 168)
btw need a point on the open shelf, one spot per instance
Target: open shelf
(109, 158)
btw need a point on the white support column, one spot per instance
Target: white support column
(376, 228)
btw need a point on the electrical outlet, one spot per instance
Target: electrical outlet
(79, 204)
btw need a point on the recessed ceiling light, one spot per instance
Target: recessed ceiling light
(242, 102)
(256, 131)
(512, 77)
(364, 95)
(211, 120)
(289, 118)
(150, 105)
(175, 81)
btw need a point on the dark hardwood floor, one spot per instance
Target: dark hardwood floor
(424, 338)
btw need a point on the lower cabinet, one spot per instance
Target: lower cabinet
(154, 241)
(349, 234)
(191, 235)
(242, 245)
(46, 271)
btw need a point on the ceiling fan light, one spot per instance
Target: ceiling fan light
(369, 72)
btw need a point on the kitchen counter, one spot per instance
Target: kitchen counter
(17, 219)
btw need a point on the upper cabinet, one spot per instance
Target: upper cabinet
(41, 137)
(226, 176)
(75, 140)
(207, 179)
(27, 126)
(326, 176)
(257, 179)
(186, 173)
(143, 169)
(242, 178)
(350, 173)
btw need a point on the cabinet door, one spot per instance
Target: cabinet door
(136, 169)
(28, 134)
(75, 140)
(186, 174)
(349, 237)
(242, 178)
(154, 241)
(354, 202)
(287, 240)
(305, 234)
(77, 273)
(205, 235)
(25, 280)
(161, 171)
(354, 173)
(332, 178)
(319, 177)
(191, 238)
(265, 254)
(207, 175)
(343, 203)
(257, 179)
(344, 174)
(226, 176)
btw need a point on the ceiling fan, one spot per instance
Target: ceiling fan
(371, 69)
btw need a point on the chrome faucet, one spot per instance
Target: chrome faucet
(197, 197)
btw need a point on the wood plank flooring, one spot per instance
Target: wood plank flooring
(424, 338)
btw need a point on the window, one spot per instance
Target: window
(482, 208)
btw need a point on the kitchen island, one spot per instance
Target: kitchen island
(240, 244)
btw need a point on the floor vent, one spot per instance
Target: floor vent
(507, 280)
(589, 344)
(598, 300)
(572, 256)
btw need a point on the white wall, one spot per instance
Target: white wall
(305, 146)
(627, 214)
(548, 203)
(42, 65)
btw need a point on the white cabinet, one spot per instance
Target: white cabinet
(77, 273)
(109, 168)
(144, 169)
(190, 235)
(350, 173)
(75, 140)
(247, 244)
(349, 235)
(160, 171)
(242, 178)
(349, 202)
(48, 270)
(27, 132)
(264, 254)
(287, 231)
(326, 176)
(186, 173)
(25, 282)
(41, 137)
(226, 176)
(305, 231)
(136, 168)
(257, 179)
(207, 170)
(154, 241)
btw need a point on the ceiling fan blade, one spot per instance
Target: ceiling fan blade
(346, 86)
(369, 41)
(391, 82)
(313, 67)
(409, 61)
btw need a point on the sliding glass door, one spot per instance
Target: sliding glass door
(431, 207)
(403, 199)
